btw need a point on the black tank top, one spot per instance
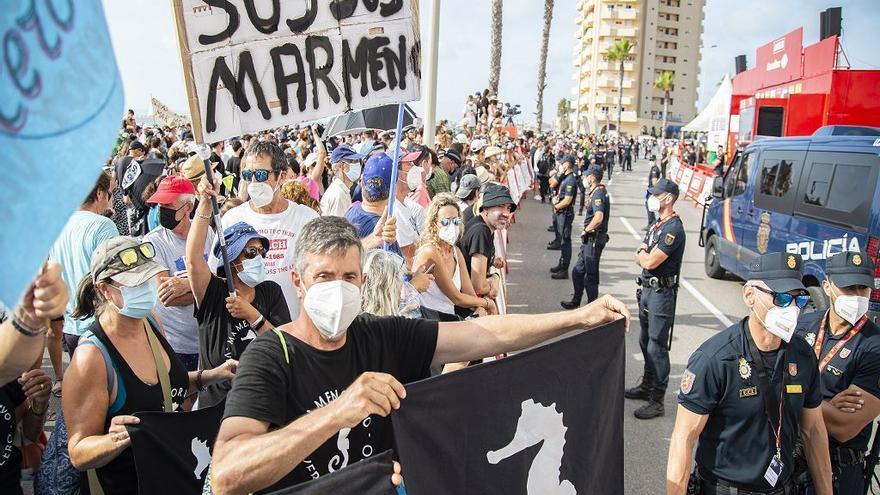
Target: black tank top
(120, 476)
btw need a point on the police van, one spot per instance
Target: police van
(815, 196)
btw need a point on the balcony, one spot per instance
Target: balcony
(608, 65)
(627, 116)
(612, 82)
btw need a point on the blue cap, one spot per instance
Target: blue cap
(343, 152)
(596, 171)
(237, 237)
(664, 185)
(847, 269)
(782, 272)
(377, 174)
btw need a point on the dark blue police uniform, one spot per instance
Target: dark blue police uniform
(851, 360)
(585, 274)
(737, 444)
(564, 219)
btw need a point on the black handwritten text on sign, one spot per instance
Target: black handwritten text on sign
(257, 64)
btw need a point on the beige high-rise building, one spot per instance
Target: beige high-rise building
(666, 35)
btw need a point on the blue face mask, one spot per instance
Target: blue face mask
(354, 172)
(138, 301)
(253, 271)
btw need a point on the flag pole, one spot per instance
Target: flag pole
(431, 76)
(218, 228)
(393, 186)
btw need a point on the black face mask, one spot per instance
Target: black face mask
(168, 218)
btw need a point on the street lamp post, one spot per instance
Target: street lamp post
(431, 76)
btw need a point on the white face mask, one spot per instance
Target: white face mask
(260, 193)
(414, 178)
(653, 204)
(332, 306)
(850, 308)
(450, 233)
(781, 322)
(253, 271)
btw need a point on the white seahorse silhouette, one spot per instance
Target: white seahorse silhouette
(342, 444)
(203, 456)
(539, 423)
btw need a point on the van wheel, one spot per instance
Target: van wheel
(818, 299)
(713, 262)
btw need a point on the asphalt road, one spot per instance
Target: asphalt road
(705, 306)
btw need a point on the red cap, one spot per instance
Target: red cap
(411, 157)
(169, 189)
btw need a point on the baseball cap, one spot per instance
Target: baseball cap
(136, 145)
(496, 195)
(237, 237)
(850, 268)
(411, 156)
(782, 272)
(476, 145)
(377, 174)
(468, 183)
(169, 189)
(596, 171)
(460, 138)
(452, 154)
(343, 152)
(130, 269)
(664, 185)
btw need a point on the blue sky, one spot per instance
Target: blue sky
(145, 44)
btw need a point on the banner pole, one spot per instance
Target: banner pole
(393, 186)
(218, 229)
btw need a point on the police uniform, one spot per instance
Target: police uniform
(851, 358)
(564, 219)
(723, 380)
(585, 274)
(657, 296)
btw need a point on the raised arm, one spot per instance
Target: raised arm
(318, 170)
(474, 339)
(197, 269)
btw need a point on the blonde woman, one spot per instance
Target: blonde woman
(438, 254)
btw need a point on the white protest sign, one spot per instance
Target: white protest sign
(252, 65)
(162, 112)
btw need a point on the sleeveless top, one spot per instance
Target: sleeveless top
(435, 299)
(119, 476)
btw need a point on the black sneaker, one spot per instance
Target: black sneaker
(560, 275)
(573, 303)
(651, 410)
(554, 246)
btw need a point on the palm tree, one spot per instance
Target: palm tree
(563, 110)
(542, 63)
(619, 52)
(665, 82)
(495, 62)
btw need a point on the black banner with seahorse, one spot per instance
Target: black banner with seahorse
(547, 421)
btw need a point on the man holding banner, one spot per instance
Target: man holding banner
(314, 396)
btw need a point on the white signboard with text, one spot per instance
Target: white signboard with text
(252, 65)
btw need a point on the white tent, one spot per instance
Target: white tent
(714, 118)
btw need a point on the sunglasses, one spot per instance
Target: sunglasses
(252, 252)
(259, 175)
(447, 221)
(784, 299)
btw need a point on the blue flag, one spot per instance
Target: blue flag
(60, 104)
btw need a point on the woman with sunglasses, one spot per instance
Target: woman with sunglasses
(227, 324)
(114, 372)
(451, 286)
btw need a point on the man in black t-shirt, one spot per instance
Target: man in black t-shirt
(314, 395)
(477, 244)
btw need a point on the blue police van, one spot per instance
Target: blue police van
(815, 196)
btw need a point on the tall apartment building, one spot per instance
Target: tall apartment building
(666, 35)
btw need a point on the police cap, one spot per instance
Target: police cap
(664, 185)
(850, 268)
(782, 272)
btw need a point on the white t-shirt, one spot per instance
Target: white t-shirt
(407, 234)
(336, 200)
(282, 230)
(181, 327)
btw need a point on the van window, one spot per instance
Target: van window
(737, 177)
(839, 188)
(777, 178)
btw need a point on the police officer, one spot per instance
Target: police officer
(653, 177)
(659, 256)
(847, 346)
(748, 392)
(585, 275)
(563, 207)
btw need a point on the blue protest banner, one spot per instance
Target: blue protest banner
(60, 104)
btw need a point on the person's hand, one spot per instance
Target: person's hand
(386, 228)
(498, 263)
(371, 393)
(492, 309)
(480, 312)
(421, 280)
(117, 432)
(848, 400)
(207, 191)
(36, 386)
(225, 371)
(239, 308)
(493, 286)
(396, 477)
(170, 288)
(46, 298)
(604, 310)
